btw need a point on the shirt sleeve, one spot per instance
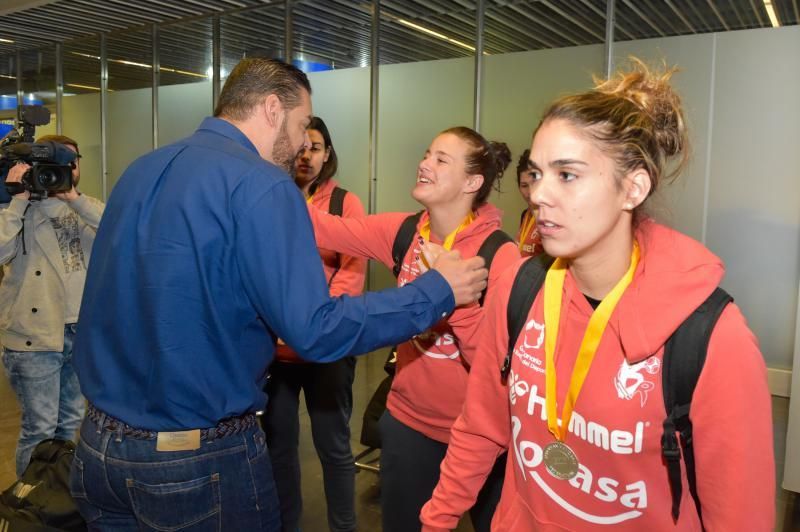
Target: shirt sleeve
(369, 237)
(89, 209)
(732, 431)
(483, 430)
(349, 279)
(283, 278)
(11, 219)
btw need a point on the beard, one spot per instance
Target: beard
(283, 155)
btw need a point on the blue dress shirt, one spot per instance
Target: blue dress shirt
(206, 254)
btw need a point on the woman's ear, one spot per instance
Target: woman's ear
(327, 154)
(473, 184)
(637, 186)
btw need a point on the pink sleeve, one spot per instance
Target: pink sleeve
(370, 237)
(349, 279)
(482, 431)
(732, 431)
(465, 320)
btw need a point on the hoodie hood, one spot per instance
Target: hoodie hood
(674, 276)
(488, 218)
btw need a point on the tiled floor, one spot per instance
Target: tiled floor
(369, 373)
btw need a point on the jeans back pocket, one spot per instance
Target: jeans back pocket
(192, 505)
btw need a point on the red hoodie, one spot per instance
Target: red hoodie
(349, 278)
(431, 379)
(617, 423)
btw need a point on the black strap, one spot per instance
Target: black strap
(402, 241)
(336, 204)
(684, 357)
(336, 207)
(527, 283)
(488, 250)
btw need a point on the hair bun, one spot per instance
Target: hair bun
(650, 91)
(502, 156)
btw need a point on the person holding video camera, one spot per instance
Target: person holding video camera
(45, 243)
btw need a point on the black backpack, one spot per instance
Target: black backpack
(40, 499)
(684, 356)
(370, 436)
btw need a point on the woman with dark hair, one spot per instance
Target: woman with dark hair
(453, 183)
(581, 400)
(530, 243)
(327, 387)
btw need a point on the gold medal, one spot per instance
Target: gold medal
(560, 461)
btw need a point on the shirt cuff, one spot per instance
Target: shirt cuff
(433, 285)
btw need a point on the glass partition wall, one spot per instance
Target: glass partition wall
(387, 76)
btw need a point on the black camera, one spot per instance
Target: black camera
(51, 162)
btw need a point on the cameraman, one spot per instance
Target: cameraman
(44, 249)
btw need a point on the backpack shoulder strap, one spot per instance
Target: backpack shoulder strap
(527, 283)
(684, 357)
(336, 205)
(402, 241)
(489, 249)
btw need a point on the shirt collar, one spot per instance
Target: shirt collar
(225, 128)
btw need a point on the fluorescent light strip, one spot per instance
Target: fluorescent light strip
(145, 65)
(77, 86)
(7, 40)
(436, 34)
(7, 77)
(773, 18)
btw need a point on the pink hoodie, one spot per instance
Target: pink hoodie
(429, 386)
(617, 423)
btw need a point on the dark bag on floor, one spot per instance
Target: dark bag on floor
(40, 500)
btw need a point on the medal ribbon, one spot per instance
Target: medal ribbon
(310, 198)
(553, 294)
(425, 231)
(528, 223)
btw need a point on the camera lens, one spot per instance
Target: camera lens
(48, 179)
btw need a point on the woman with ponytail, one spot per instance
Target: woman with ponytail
(577, 397)
(454, 180)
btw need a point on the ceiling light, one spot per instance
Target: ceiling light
(436, 34)
(144, 65)
(7, 40)
(773, 18)
(78, 86)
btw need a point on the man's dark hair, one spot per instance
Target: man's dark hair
(61, 139)
(255, 78)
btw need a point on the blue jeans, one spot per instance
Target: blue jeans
(48, 393)
(123, 484)
(328, 389)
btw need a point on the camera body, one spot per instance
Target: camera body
(51, 163)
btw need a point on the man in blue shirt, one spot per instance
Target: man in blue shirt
(204, 256)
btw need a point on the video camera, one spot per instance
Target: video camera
(51, 162)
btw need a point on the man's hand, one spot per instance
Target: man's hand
(467, 278)
(67, 196)
(15, 176)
